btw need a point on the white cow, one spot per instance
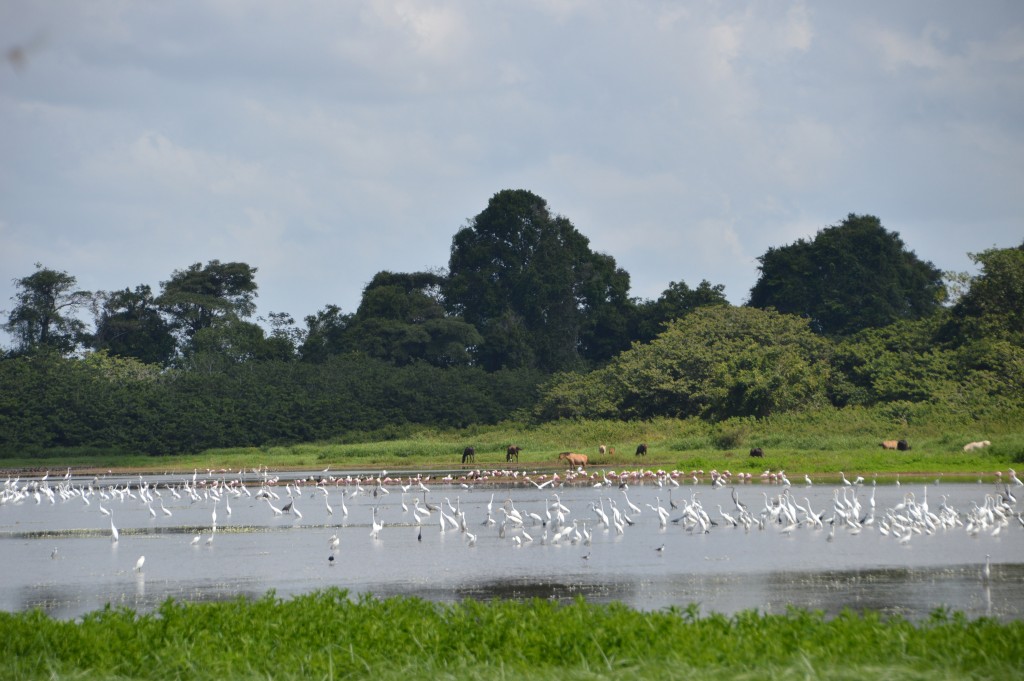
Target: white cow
(971, 446)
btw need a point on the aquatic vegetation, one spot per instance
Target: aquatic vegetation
(328, 635)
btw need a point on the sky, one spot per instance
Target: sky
(323, 142)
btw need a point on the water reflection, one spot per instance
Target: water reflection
(726, 570)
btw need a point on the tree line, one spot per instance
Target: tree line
(525, 322)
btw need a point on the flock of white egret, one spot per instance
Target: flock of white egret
(690, 501)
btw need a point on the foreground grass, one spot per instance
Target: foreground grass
(819, 442)
(327, 635)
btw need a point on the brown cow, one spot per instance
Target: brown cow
(574, 459)
(901, 445)
(512, 452)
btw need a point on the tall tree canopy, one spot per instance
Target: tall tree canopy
(326, 335)
(129, 324)
(528, 281)
(851, 276)
(401, 320)
(994, 301)
(200, 297)
(44, 312)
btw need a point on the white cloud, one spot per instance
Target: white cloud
(325, 141)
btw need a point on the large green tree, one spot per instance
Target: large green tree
(326, 335)
(678, 300)
(994, 301)
(129, 324)
(528, 281)
(200, 297)
(851, 276)
(43, 317)
(401, 320)
(716, 362)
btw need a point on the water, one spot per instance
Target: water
(726, 570)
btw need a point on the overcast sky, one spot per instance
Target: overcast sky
(322, 142)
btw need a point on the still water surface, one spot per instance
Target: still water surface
(60, 556)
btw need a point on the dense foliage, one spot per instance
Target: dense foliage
(527, 321)
(52, 403)
(529, 282)
(714, 363)
(327, 635)
(852, 276)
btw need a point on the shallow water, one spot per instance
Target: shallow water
(727, 570)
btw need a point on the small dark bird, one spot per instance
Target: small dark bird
(330, 560)
(419, 535)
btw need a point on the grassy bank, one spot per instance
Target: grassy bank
(820, 442)
(326, 635)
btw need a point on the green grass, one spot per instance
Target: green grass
(821, 442)
(327, 635)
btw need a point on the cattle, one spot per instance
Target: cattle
(971, 446)
(574, 459)
(512, 453)
(641, 449)
(757, 452)
(602, 450)
(901, 445)
(468, 454)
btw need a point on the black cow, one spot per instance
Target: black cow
(512, 453)
(641, 449)
(468, 454)
(758, 452)
(902, 445)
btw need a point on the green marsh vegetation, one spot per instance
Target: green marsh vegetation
(823, 441)
(327, 635)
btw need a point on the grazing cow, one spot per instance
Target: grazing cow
(901, 445)
(574, 459)
(641, 449)
(602, 450)
(971, 446)
(512, 453)
(758, 452)
(468, 454)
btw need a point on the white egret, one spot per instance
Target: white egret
(139, 562)
(633, 507)
(376, 525)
